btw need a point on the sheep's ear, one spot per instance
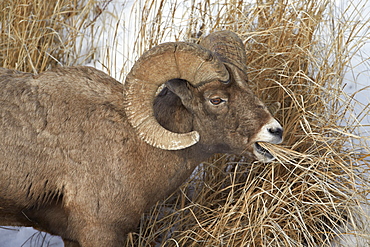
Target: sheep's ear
(180, 88)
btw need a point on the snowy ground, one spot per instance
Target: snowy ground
(360, 72)
(27, 237)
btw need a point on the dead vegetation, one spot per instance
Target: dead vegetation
(298, 53)
(37, 35)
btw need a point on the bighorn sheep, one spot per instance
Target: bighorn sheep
(83, 156)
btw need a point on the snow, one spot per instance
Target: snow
(27, 237)
(123, 51)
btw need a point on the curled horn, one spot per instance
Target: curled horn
(160, 64)
(228, 47)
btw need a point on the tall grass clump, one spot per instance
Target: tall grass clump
(36, 35)
(299, 52)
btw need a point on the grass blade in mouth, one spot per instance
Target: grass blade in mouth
(282, 153)
(263, 150)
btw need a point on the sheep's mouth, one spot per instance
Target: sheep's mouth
(263, 151)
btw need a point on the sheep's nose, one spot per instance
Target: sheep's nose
(271, 132)
(277, 131)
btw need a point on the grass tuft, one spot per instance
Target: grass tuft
(37, 35)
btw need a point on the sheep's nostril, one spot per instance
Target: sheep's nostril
(276, 132)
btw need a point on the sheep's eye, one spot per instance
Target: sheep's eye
(216, 101)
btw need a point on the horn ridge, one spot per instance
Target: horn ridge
(228, 47)
(187, 61)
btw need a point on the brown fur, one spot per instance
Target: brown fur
(71, 164)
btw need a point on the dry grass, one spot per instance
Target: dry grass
(37, 35)
(297, 55)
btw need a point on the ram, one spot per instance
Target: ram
(83, 156)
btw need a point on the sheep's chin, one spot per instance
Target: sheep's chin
(262, 154)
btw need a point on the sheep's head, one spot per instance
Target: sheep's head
(210, 80)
